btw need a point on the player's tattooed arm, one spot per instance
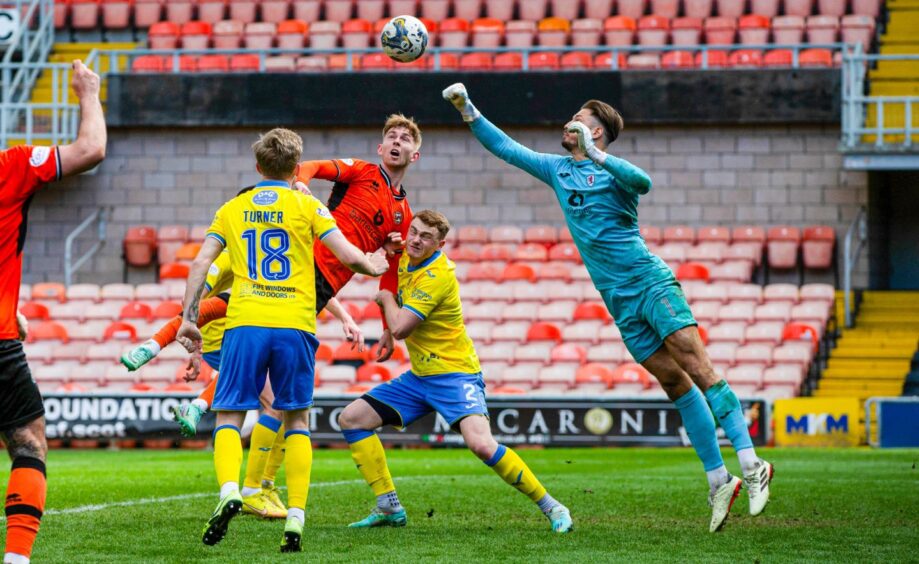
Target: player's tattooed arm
(189, 336)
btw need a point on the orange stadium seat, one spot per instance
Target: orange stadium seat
(692, 271)
(593, 373)
(477, 62)
(712, 58)
(631, 372)
(778, 58)
(211, 63)
(686, 31)
(49, 291)
(605, 61)
(188, 251)
(355, 33)
(543, 331)
(166, 310)
(454, 33)
(576, 60)
(196, 35)
(173, 271)
(148, 63)
(591, 310)
(48, 331)
(344, 353)
(520, 33)
(553, 32)
(376, 62)
(619, 30)
(136, 310)
(564, 252)
(34, 311)
(292, 34)
(242, 63)
(373, 372)
(797, 331)
(816, 58)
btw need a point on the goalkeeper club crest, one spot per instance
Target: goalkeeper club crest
(590, 179)
(397, 217)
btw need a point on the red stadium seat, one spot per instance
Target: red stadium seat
(543, 331)
(139, 245)
(196, 35)
(239, 63)
(376, 62)
(576, 60)
(212, 63)
(565, 252)
(711, 59)
(692, 271)
(292, 34)
(487, 33)
(120, 330)
(173, 271)
(753, 29)
(476, 62)
(591, 310)
(594, 373)
(631, 373)
(619, 30)
(778, 58)
(136, 310)
(49, 291)
(48, 331)
(148, 63)
(454, 33)
(653, 30)
(605, 61)
(746, 58)
(678, 60)
(518, 271)
(34, 311)
(543, 61)
(166, 310)
(796, 331)
(531, 252)
(373, 372)
(816, 58)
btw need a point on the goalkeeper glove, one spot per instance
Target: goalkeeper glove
(456, 94)
(586, 142)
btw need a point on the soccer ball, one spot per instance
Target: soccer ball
(404, 38)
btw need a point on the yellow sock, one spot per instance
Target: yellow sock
(513, 470)
(275, 457)
(298, 465)
(370, 458)
(263, 436)
(228, 454)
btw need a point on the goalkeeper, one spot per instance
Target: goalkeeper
(598, 194)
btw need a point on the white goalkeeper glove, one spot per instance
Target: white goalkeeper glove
(456, 94)
(586, 142)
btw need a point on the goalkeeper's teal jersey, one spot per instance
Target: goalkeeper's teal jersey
(601, 211)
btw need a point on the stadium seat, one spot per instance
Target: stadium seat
(632, 8)
(822, 29)
(355, 34)
(713, 292)
(84, 14)
(534, 352)
(139, 245)
(773, 311)
(796, 331)
(782, 246)
(679, 234)
(553, 32)
(764, 332)
(164, 35)
(49, 291)
(586, 32)
(727, 332)
(816, 313)
(781, 293)
(799, 7)
(730, 8)
(737, 311)
(707, 252)
(476, 62)
(373, 372)
(211, 63)
(292, 34)
(120, 330)
(788, 30)
(136, 310)
(794, 352)
(34, 311)
(505, 234)
(686, 31)
(711, 59)
(48, 331)
(590, 310)
(678, 60)
(692, 271)
(519, 33)
(568, 352)
(746, 58)
(564, 252)
(543, 331)
(653, 30)
(753, 29)
(545, 61)
(108, 310)
(238, 63)
(647, 61)
(745, 375)
(553, 271)
(68, 311)
(260, 35)
(338, 11)
(345, 354)
(324, 34)
(376, 62)
(173, 271)
(371, 9)
(518, 271)
(631, 372)
(487, 33)
(816, 58)
(454, 33)
(619, 30)
(195, 34)
(817, 292)
(148, 63)
(227, 34)
(722, 352)
(720, 30)
(857, 28)
(603, 61)
(166, 310)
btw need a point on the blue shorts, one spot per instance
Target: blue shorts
(646, 315)
(454, 395)
(212, 359)
(250, 354)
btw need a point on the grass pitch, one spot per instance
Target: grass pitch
(628, 505)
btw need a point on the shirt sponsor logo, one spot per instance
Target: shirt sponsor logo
(323, 212)
(420, 295)
(39, 156)
(576, 199)
(265, 198)
(349, 162)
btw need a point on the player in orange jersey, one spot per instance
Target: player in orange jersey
(23, 170)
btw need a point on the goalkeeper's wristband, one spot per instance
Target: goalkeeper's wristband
(469, 112)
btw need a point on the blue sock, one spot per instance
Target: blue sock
(727, 409)
(700, 426)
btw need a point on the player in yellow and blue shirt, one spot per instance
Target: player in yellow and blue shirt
(269, 233)
(445, 377)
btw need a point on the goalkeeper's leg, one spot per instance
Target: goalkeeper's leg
(513, 470)
(211, 309)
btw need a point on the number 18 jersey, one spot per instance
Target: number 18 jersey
(269, 233)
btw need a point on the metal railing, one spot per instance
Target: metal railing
(99, 217)
(859, 229)
(858, 105)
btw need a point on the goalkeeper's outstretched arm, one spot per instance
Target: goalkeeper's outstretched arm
(625, 172)
(540, 165)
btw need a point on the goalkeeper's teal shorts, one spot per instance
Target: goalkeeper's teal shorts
(648, 314)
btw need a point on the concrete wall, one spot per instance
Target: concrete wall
(702, 176)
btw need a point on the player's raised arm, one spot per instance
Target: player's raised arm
(540, 165)
(371, 264)
(625, 172)
(189, 336)
(89, 148)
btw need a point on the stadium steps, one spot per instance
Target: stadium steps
(873, 358)
(896, 78)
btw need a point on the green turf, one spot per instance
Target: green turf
(627, 504)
